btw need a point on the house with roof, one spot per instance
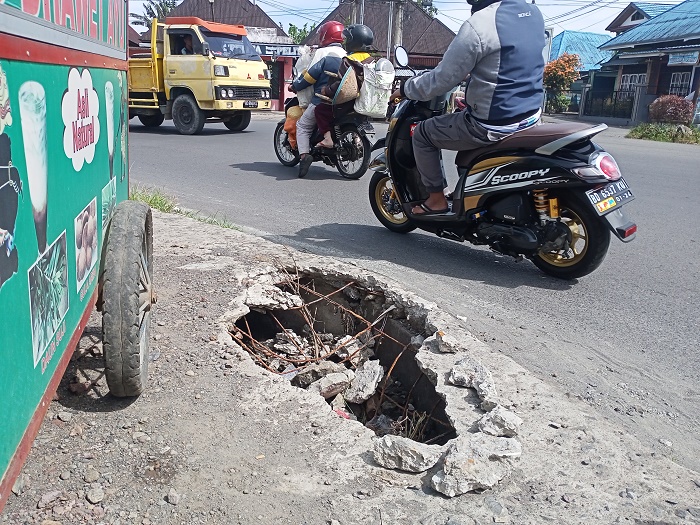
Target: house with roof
(397, 23)
(634, 14)
(586, 46)
(272, 43)
(658, 56)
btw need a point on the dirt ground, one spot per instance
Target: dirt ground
(216, 439)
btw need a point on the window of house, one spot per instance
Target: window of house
(680, 84)
(629, 82)
(637, 16)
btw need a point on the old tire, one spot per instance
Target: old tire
(590, 239)
(285, 154)
(386, 206)
(187, 117)
(127, 295)
(239, 121)
(152, 121)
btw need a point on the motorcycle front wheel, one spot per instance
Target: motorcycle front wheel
(285, 154)
(385, 204)
(354, 164)
(589, 242)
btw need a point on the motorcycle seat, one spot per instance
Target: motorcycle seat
(531, 138)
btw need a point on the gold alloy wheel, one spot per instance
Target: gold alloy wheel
(383, 195)
(578, 246)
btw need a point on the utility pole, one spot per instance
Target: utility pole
(389, 30)
(398, 22)
(362, 11)
(353, 12)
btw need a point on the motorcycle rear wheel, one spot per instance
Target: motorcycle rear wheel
(353, 168)
(285, 154)
(390, 214)
(590, 239)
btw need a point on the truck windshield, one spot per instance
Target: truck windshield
(230, 46)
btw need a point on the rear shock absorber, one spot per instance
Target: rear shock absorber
(541, 203)
(546, 207)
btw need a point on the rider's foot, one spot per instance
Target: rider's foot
(327, 141)
(304, 165)
(435, 204)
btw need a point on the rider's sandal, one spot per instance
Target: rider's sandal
(429, 211)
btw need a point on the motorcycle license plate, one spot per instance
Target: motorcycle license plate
(610, 196)
(250, 103)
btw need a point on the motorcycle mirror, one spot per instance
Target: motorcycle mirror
(401, 56)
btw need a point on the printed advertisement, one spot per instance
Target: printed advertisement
(63, 144)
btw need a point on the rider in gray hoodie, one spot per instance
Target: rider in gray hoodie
(500, 48)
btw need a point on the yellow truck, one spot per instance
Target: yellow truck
(198, 71)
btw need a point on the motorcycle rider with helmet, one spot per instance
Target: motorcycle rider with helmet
(358, 41)
(331, 37)
(500, 48)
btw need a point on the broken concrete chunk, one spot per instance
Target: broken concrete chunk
(315, 372)
(473, 463)
(447, 344)
(365, 383)
(401, 453)
(351, 347)
(331, 385)
(430, 344)
(471, 374)
(500, 422)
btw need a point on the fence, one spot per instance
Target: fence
(615, 104)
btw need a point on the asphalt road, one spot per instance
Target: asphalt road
(624, 338)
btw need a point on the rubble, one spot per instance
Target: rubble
(470, 373)
(500, 422)
(365, 384)
(396, 452)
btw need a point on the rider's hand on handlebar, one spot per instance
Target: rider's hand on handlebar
(396, 96)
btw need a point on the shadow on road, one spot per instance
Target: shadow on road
(208, 131)
(318, 171)
(426, 254)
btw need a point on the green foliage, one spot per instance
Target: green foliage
(298, 34)
(666, 133)
(558, 103)
(672, 109)
(153, 9)
(430, 9)
(158, 200)
(559, 74)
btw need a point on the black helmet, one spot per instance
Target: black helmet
(358, 37)
(480, 4)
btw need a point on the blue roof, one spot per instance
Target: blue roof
(678, 23)
(652, 10)
(585, 45)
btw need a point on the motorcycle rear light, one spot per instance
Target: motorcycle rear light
(609, 167)
(627, 231)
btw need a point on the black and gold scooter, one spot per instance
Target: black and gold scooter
(547, 193)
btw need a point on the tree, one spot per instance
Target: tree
(559, 74)
(427, 6)
(153, 9)
(298, 34)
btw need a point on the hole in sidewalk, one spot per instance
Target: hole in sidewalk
(333, 340)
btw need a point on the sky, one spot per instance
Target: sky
(575, 15)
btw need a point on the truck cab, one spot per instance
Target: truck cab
(198, 71)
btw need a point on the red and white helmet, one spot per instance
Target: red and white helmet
(331, 32)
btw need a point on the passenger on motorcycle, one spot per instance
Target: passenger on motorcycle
(331, 37)
(358, 41)
(500, 47)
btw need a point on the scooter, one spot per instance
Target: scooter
(547, 193)
(350, 153)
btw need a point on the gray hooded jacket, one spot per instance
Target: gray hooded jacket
(501, 46)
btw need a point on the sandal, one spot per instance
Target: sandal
(428, 211)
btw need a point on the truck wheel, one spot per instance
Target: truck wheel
(152, 121)
(127, 295)
(239, 121)
(187, 117)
